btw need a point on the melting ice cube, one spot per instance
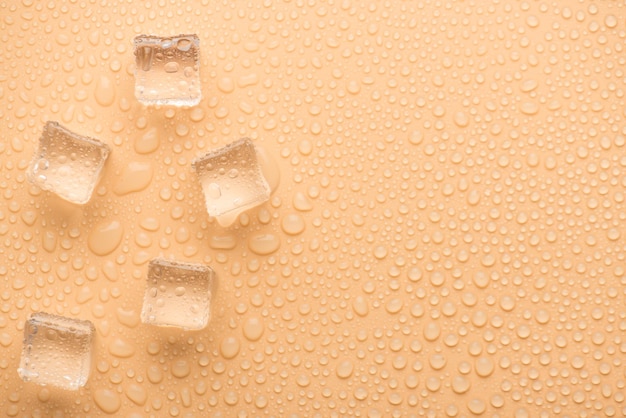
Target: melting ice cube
(232, 180)
(67, 163)
(178, 294)
(167, 70)
(56, 351)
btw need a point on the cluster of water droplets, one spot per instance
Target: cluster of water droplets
(445, 238)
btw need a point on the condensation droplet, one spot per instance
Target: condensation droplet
(105, 91)
(263, 243)
(229, 347)
(253, 328)
(106, 237)
(107, 400)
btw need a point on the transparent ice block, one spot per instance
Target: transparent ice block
(56, 351)
(178, 294)
(67, 163)
(167, 70)
(232, 180)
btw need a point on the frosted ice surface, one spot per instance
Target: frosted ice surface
(67, 163)
(178, 294)
(167, 70)
(232, 180)
(56, 351)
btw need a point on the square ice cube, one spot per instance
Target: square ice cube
(232, 180)
(178, 294)
(56, 351)
(167, 70)
(67, 163)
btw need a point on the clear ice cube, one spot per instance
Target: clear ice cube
(167, 70)
(178, 294)
(67, 163)
(232, 180)
(56, 351)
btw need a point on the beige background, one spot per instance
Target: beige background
(447, 238)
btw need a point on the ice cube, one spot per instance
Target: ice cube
(232, 180)
(56, 351)
(67, 164)
(178, 294)
(167, 70)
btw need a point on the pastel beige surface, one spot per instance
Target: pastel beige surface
(446, 239)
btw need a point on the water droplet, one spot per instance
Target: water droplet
(460, 384)
(136, 393)
(226, 84)
(345, 369)
(5, 339)
(484, 367)
(120, 348)
(360, 306)
(135, 177)
(476, 406)
(181, 369)
(183, 45)
(107, 400)
(155, 374)
(253, 328)
(292, 224)
(105, 91)
(528, 86)
(171, 67)
(248, 80)
(301, 202)
(610, 21)
(223, 242)
(416, 137)
(106, 237)
(529, 108)
(148, 142)
(269, 167)
(128, 317)
(263, 244)
(229, 347)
